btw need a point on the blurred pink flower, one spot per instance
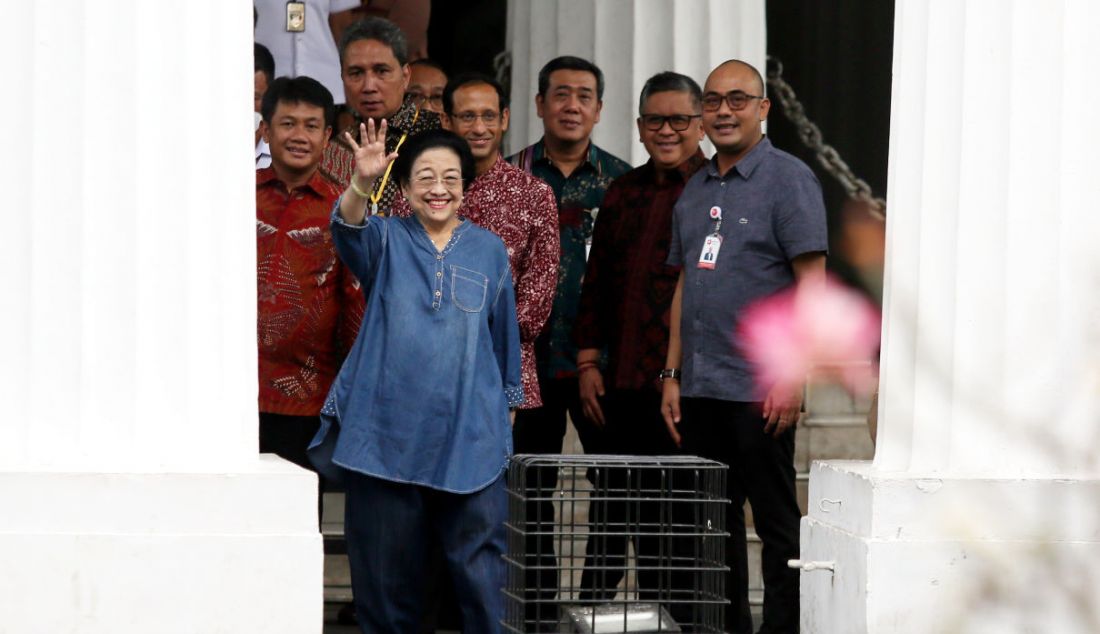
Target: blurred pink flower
(821, 326)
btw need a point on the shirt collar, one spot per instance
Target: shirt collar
(592, 160)
(747, 165)
(492, 173)
(403, 118)
(684, 170)
(317, 184)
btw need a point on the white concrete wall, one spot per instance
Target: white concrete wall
(133, 497)
(992, 324)
(630, 40)
(975, 515)
(128, 270)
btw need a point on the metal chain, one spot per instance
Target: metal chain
(811, 136)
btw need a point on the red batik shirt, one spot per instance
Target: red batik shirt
(520, 209)
(309, 306)
(627, 291)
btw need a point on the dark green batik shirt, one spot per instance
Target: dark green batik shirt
(579, 198)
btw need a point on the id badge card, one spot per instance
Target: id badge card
(295, 16)
(709, 255)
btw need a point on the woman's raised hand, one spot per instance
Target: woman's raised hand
(370, 157)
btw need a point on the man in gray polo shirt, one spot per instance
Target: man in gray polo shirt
(749, 224)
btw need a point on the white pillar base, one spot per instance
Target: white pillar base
(948, 553)
(172, 553)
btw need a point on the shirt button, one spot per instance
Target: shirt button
(723, 183)
(438, 293)
(439, 273)
(439, 257)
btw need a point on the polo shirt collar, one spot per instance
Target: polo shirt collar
(748, 163)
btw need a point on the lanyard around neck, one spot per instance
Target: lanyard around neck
(381, 187)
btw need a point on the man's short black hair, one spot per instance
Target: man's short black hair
(380, 30)
(262, 61)
(430, 140)
(669, 81)
(568, 62)
(465, 79)
(297, 90)
(430, 63)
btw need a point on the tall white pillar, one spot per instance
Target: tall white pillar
(630, 40)
(979, 512)
(134, 498)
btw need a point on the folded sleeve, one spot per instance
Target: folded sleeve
(504, 330)
(359, 246)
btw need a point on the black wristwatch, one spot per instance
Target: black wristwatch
(669, 373)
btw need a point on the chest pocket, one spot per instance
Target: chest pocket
(468, 289)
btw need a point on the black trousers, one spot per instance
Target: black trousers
(761, 469)
(634, 426)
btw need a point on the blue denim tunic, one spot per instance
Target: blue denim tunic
(423, 396)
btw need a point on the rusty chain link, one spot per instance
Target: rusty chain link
(811, 136)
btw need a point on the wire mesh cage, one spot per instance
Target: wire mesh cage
(615, 544)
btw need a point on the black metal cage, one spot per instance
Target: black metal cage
(615, 544)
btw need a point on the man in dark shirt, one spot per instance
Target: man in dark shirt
(751, 223)
(569, 101)
(626, 296)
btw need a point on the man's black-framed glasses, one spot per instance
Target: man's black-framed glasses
(678, 122)
(736, 99)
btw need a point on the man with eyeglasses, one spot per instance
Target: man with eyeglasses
(426, 84)
(374, 64)
(624, 307)
(751, 223)
(509, 202)
(569, 100)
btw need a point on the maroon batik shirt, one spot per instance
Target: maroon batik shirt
(521, 209)
(627, 291)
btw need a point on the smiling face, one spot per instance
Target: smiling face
(374, 81)
(570, 108)
(434, 190)
(734, 132)
(298, 136)
(667, 147)
(478, 119)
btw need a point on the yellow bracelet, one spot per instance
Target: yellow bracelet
(358, 192)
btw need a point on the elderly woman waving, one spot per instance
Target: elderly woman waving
(417, 422)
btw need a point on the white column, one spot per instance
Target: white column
(630, 40)
(133, 495)
(979, 511)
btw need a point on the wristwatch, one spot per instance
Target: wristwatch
(669, 373)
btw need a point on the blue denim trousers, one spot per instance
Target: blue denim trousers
(390, 527)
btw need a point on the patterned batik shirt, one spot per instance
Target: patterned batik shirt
(579, 198)
(521, 210)
(627, 292)
(338, 161)
(309, 305)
